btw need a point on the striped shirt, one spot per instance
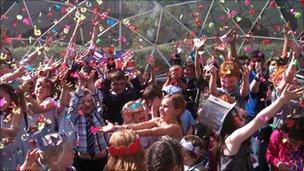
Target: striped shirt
(79, 121)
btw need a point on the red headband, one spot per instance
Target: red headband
(121, 151)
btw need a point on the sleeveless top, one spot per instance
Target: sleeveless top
(241, 161)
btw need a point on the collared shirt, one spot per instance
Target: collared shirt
(79, 121)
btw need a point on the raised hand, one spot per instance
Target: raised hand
(245, 72)
(289, 92)
(200, 43)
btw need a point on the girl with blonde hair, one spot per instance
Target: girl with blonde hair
(125, 151)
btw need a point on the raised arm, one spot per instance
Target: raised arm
(198, 55)
(234, 141)
(212, 71)
(285, 46)
(255, 83)
(244, 90)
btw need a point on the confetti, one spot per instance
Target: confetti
(26, 21)
(297, 15)
(2, 145)
(2, 102)
(251, 11)
(29, 68)
(110, 22)
(284, 140)
(16, 111)
(94, 130)
(57, 7)
(99, 2)
(40, 126)
(88, 4)
(37, 31)
(83, 10)
(19, 17)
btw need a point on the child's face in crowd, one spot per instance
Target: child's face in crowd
(229, 82)
(240, 118)
(6, 100)
(41, 89)
(189, 72)
(167, 110)
(176, 72)
(118, 86)
(86, 105)
(140, 116)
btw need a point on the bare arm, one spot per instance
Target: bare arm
(244, 90)
(234, 141)
(144, 125)
(285, 45)
(212, 82)
(172, 129)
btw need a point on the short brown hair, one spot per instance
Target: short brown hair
(116, 75)
(229, 68)
(178, 100)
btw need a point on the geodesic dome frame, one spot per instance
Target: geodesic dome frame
(150, 27)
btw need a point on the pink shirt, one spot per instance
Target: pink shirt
(279, 150)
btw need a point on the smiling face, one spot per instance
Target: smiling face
(86, 105)
(167, 110)
(42, 89)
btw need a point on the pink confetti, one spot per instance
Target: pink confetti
(247, 2)
(2, 102)
(26, 21)
(231, 14)
(94, 129)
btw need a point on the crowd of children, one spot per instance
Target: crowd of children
(80, 113)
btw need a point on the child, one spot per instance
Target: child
(233, 132)
(152, 96)
(194, 153)
(286, 147)
(134, 112)
(12, 112)
(86, 116)
(229, 74)
(53, 153)
(174, 78)
(43, 108)
(165, 155)
(125, 151)
(168, 125)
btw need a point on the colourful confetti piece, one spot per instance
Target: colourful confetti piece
(99, 2)
(17, 111)
(26, 21)
(2, 102)
(19, 17)
(94, 130)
